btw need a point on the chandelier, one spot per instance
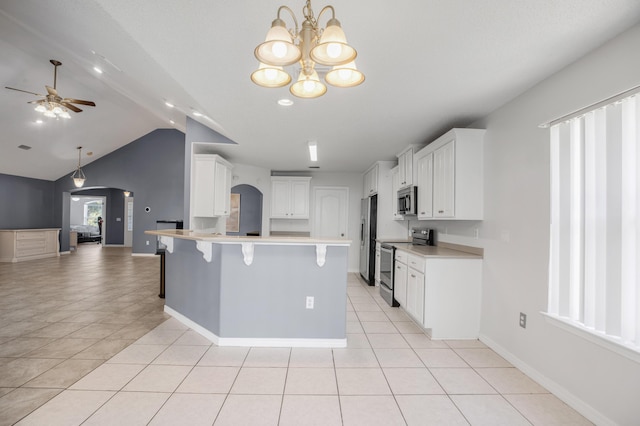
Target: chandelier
(309, 46)
(51, 108)
(78, 176)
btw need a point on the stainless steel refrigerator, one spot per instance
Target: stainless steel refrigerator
(368, 228)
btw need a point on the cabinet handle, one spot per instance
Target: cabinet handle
(413, 276)
(421, 212)
(397, 267)
(440, 211)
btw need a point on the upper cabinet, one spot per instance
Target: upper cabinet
(450, 176)
(290, 197)
(371, 181)
(395, 185)
(405, 167)
(424, 176)
(210, 186)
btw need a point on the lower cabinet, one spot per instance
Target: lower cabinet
(441, 294)
(27, 244)
(400, 281)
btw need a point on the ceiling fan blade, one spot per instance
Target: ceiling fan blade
(51, 91)
(20, 90)
(78, 101)
(71, 107)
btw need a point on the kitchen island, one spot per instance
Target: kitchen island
(257, 291)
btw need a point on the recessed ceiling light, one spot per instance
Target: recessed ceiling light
(172, 122)
(89, 154)
(98, 70)
(169, 104)
(313, 151)
(75, 198)
(285, 102)
(39, 121)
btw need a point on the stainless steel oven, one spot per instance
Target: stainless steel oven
(387, 255)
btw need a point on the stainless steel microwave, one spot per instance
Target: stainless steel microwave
(408, 201)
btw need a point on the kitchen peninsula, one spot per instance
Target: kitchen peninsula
(257, 291)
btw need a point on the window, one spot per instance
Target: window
(92, 210)
(594, 267)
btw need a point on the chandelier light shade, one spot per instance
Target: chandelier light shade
(306, 46)
(333, 48)
(308, 86)
(270, 76)
(78, 176)
(346, 75)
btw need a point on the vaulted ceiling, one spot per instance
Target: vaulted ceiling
(429, 65)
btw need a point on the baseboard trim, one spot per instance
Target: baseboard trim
(255, 342)
(143, 254)
(555, 388)
(113, 245)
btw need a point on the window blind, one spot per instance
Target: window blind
(594, 267)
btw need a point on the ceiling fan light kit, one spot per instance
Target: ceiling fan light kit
(52, 105)
(308, 46)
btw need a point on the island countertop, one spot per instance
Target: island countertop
(187, 234)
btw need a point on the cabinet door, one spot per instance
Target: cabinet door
(400, 284)
(408, 168)
(222, 190)
(299, 200)
(395, 185)
(415, 294)
(203, 192)
(280, 193)
(425, 187)
(443, 181)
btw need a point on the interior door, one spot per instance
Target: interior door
(331, 212)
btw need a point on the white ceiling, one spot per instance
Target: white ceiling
(429, 65)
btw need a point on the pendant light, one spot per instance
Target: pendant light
(78, 176)
(307, 46)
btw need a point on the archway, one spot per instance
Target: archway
(247, 219)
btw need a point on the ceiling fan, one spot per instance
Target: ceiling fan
(52, 105)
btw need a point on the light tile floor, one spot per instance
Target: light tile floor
(68, 357)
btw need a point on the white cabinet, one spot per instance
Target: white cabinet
(444, 180)
(370, 179)
(441, 294)
(413, 284)
(457, 179)
(26, 244)
(290, 197)
(405, 167)
(400, 282)
(210, 186)
(452, 298)
(395, 185)
(424, 176)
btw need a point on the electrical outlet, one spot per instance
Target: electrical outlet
(523, 320)
(309, 302)
(476, 233)
(147, 242)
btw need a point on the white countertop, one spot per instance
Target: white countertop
(435, 251)
(187, 234)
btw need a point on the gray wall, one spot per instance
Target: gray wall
(26, 203)
(250, 209)
(152, 167)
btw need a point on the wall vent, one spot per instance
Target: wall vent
(25, 147)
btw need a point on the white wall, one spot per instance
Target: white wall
(515, 234)
(261, 179)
